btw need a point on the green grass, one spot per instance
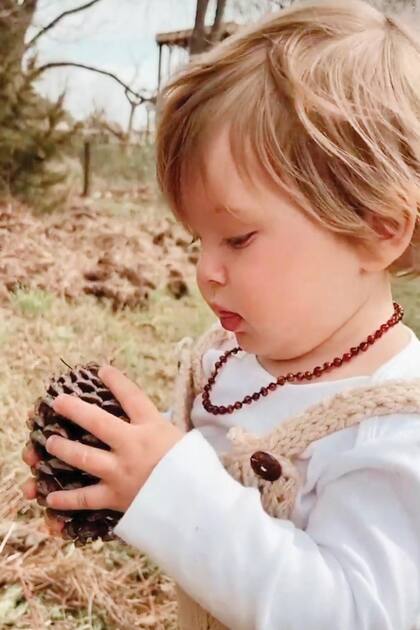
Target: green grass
(407, 292)
(32, 302)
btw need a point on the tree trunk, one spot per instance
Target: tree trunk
(15, 20)
(198, 42)
(215, 34)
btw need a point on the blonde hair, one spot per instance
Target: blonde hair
(327, 94)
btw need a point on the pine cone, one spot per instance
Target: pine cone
(51, 473)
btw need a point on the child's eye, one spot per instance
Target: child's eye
(239, 241)
(236, 242)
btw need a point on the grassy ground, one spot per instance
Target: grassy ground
(35, 330)
(44, 582)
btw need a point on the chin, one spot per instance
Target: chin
(246, 342)
(255, 346)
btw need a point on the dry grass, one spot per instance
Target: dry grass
(46, 582)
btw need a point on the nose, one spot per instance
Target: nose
(210, 269)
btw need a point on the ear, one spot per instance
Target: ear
(391, 242)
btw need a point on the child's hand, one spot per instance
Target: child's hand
(136, 448)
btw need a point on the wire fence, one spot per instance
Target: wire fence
(114, 164)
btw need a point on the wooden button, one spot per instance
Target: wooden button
(265, 465)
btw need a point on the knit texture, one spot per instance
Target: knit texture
(285, 442)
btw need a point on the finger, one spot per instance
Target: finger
(132, 399)
(29, 455)
(95, 497)
(95, 461)
(29, 488)
(105, 426)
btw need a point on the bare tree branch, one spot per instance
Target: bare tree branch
(98, 119)
(133, 107)
(58, 19)
(141, 98)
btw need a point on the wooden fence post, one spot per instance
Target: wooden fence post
(86, 168)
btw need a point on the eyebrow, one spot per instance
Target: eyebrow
(220, 208)
(238, 211)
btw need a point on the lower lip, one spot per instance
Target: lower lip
(230, 322)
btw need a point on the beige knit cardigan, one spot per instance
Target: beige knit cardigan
(271, 469)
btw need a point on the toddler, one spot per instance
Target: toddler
(291, 152)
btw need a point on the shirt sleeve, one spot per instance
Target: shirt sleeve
(354, 567)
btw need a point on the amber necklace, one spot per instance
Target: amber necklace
(298, 376)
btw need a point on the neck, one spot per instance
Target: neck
(364, 322)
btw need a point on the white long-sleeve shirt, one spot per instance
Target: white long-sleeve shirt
(349, 557)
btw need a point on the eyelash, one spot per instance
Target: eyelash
(236, 243)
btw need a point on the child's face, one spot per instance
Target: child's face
(293, 282)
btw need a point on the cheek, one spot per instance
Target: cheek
(258, 280)
(199, 275)
(296, 276)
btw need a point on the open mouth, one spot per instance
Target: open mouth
(230, 321)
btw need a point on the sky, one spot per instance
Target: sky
(115, 35)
